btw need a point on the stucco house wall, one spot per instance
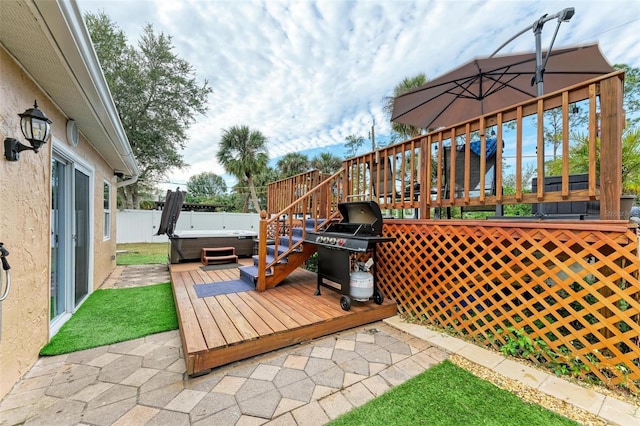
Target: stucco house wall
(24, 229)
(63, 92)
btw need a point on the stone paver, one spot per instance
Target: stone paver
(618, 412)
(358, 394)
(485, 357)
(335, 404)
(311, 414)
(186, 400)
(573, 394)
(265, 372)
(138, 415)
(376, 385)
(143, 381)
(522, 373)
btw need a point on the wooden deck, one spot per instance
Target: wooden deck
(218, 330)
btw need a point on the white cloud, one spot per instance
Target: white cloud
(308, 74)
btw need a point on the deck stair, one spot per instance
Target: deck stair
(290, 252)
(215, 255)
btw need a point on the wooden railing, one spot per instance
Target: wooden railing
(399, 176)
(285, 191)
(318, 205)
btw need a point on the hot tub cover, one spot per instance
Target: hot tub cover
(171, 212)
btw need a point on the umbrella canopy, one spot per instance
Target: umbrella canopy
(488, 84)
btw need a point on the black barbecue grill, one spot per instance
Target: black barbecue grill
(358, 232)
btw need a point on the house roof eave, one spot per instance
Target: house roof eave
(59, 55)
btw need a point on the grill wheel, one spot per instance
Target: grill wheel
(345, 303)
(377, 296)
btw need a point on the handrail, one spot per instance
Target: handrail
(318, 203)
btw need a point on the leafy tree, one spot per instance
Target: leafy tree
(326, 163)
(292, 164)
(403, 131)
(631, 92)
(353, 144)
(553, 129)
(204, 187)
(156, 95)
(262, 181)
(509, 188)
(243, 153)
(227, 202)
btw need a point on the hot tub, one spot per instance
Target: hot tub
(186, 246)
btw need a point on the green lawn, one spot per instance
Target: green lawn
(142, 253)
(449, 395)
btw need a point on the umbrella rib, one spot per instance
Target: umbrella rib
(465, 88)
(503, 84)
(425, 102)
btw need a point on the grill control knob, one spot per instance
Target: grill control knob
(332, 240)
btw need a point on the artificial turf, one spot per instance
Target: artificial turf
(447, 395)
(114, 315)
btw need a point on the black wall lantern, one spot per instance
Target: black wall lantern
(35, 128)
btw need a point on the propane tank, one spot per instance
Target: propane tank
(361, 283)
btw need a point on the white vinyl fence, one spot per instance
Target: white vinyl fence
(140, 226)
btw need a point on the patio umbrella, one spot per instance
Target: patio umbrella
(488, 84)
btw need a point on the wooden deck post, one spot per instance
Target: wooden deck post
(261, 284)
(611, 125)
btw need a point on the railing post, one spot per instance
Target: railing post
(611, 125)
(425, 177)
(261, 285)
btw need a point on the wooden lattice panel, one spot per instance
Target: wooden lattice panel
(575, 287)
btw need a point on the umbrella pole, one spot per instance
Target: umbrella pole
(563, 16)
(537, 31)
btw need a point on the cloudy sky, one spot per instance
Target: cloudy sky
(309, 74)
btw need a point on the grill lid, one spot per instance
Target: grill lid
(362, 212)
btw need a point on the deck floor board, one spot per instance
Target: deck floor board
(274, 325)
(224, 323)
(210, 330)
(217, 330)
(241, 324)
(287, 320)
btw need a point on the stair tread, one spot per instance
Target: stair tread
(250, 272)
(270, 259)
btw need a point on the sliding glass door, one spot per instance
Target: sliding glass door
(71, 230)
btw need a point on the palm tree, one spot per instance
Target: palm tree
(292, 164)
(404, 131)
(579, 159)
(326, 162)
(243, 153)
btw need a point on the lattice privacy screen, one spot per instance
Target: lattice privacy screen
(574, 291)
